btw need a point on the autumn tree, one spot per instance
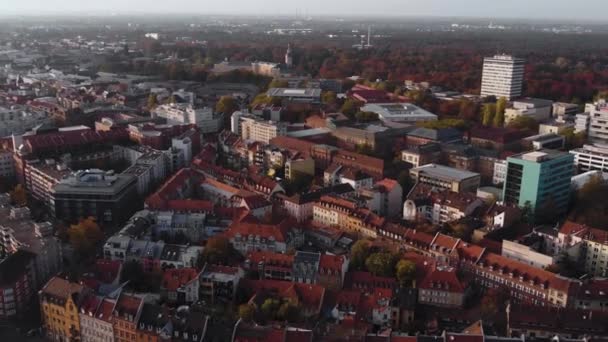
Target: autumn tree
(499, 116)
(226, 105)
(489, 111)
(366, 116)
(445, 123)
(381, 264)
(329, 97)
(19, 195)
(217, 250)
(85, 235)
(405, 271)
(359, 253)
(276, 83)
(350, 108)
(270, 307)
(152, 101)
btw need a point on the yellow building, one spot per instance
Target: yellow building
(59, 300)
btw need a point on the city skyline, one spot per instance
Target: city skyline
(559, 10)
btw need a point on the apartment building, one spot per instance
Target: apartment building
(261, 131)
(59, 303)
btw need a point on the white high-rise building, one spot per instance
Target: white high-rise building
(503, 76)
(598, 121)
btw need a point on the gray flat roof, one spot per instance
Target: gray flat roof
(294, 92)
(444, 172)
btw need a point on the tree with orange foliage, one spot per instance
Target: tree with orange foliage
(19, 195)
(85, 235)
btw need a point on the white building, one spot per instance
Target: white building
(537, 109)
(182, 113)
(500, 172)
(503, 76)
(581, 122)
(261, 131)
(18, 120)
(598, 121)
(526, 254)
(148, 165)
(591, 157)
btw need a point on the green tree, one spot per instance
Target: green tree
(152, 101)
(524, 122)
(359, 253)
(276, 83)
(349, 108)
(246, 312)
(329, 97)
(289, 312)
(366, 116)
(226, 105)
(270, 308)
(381, 264)
(499, 117)
(445, 123)
(405, 271)
(489, 110)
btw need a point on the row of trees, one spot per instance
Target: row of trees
(494, 113)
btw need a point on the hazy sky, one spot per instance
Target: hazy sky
(548, 9)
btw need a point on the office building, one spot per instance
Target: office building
(299, 95)
(598, 121)
(562, 111)
(581, 122)
(533, 178)
(503, 76)
(591, 157)
(537, 109)
(108, 197)
(181, 113)
(445, 177)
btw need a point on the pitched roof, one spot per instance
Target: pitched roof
(584, 232)
(61, 288)
(173, 279)
(331, 262)
(442, 279)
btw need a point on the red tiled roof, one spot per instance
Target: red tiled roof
(388, 183)
(445, 241)
(442, 280)
(107, 270)
(332, 262)
(276, 231)
(270, 258)
(584, 232)
(529, 273)
(127, 304)
(190, 205)
(173, 279)
(309, 295)
(104, 312)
